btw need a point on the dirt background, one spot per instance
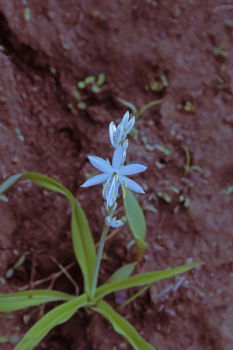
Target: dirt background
(180, 51)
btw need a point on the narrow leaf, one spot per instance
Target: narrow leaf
(122, 273)
(17, 301)
(9, 182)
(3, 198)
(136, 220)
(130, 105)
(83, 245)
(136, 295)
(142, 279)
(49, 183)
(58, 315)
(122, 326)
(147, 106)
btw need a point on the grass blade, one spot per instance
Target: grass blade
(83, 244)
(48, 183)
(18, 301)
(58, 315)
(130, 105)
(147, 106)
(3, 198)
(9, 182)
(122, 326)
(142, 279)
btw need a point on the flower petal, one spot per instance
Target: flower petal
(118, 136)
(132, 169)
(132, 185)
(95, 180)
(130, 125)
(100, 164)
(125, 119)
(112, 132)
(117, 159)
(110, 192)
(113, 222)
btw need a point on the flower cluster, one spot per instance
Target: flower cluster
(115, 175)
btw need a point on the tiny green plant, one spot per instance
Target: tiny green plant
(139, 112)
(90, 84)
(113, 177)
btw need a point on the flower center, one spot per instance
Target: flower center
(115, 174)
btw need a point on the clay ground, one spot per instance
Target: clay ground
(177, 51)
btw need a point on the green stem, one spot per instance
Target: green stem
(98, 259)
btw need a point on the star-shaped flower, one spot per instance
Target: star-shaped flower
(115, 174)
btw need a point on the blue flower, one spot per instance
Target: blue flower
(114, 175)
(118, 134)
(113, 222)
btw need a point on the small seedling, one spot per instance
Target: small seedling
(165, 196)
(82, 105)
(146, 144)
(220, 52)
(19, 134)
(94, 82)
(185, 201)
(189, 107)
(160, 165)
(10, 272)
(27, 14)
(100, 79)
(228, 190)
(81, 85)
(77, 95)
(163, 150)
(139, 112)
(89, 84)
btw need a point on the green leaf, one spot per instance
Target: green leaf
(122, 273)
(100, 79)
(130, 105)
(9, 182)
(147, 106)
(82, 105)
(81, 85)
(89, 80)
(136, 220)
(136, 295)
(58, 315)
(27, 14)
(3, 198)
(83, 244)
(49, 183)
(122, 326)
(18, 301)
(77, 94)
(142, 279)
